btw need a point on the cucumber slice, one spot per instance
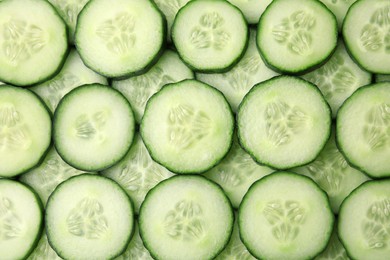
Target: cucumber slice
(137, 173)
(251, 9)
(187, 127)
(48, 175)
(89, 217)
(280, 213)
(139, 89)
(69, 10)
(43, 251)
(338, 78)
(382, 77)
(332, 173)
(366, 31)
(186, 217)
(20, 220)
(236, 83)
(73, 74)
(334, 250)
(33, 42)
(170, 8)
(120, 39)
(363, 129)
(136, 249)
(25, 130)
(296, 36)
(210, 35)
(236, 173)
(339, 8)
(93, 127)
(364, 221)
(284, 122)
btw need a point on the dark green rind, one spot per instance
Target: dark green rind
(172, 179)
(42, 158)
(117, 186)
(341, 212)
(264, 179)
(299, 71)
(258, 160)
(212, 70)
(55, 70)
(338, 125)
(40, 205)
(128, 74)
(58, 111)
(149, 146)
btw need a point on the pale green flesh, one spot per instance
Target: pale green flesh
(139, 89)
(251, 9)
(48, 175)
(33, 40)
(25, 130)
(73, 74)
(210, 35)
(282, 212)
(382, 77)
(338, 78)
(187, 127)
(93, 127)
(137, 173)
(236, 83)
(69, 10)
(364, 221)
(339, 8)
(186, 217)
(363, 129)
(236, 173)
(366, 34)
(20, 220)
(335, 250)
(294, 36)
(82, 222)
(332, 173)
(119, 40)
(43, 251)
(284, 122)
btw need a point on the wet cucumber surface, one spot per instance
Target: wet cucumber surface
(194, 129)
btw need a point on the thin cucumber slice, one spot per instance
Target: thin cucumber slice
(93, 127)
(33, 42)
(280, 213)
(25, 130)
(364, 220)
(136, 249)
(69, 10)
(252, 9)
(236, 173)
(89, 217)
(43, 251)
(366, 31)
(187, 127)
(382, 77)
(339, 8)
(186, 217)
(332, 173)
(335, 249)
(170, 9)
(20, 220)
(338, 78)
(296, 36)
(73, 74)
(363, 129)
(139, 89)
(210, 35)
(284, 122)
(121, 39)
(236, 83)
(137, 173)
(48, 175)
